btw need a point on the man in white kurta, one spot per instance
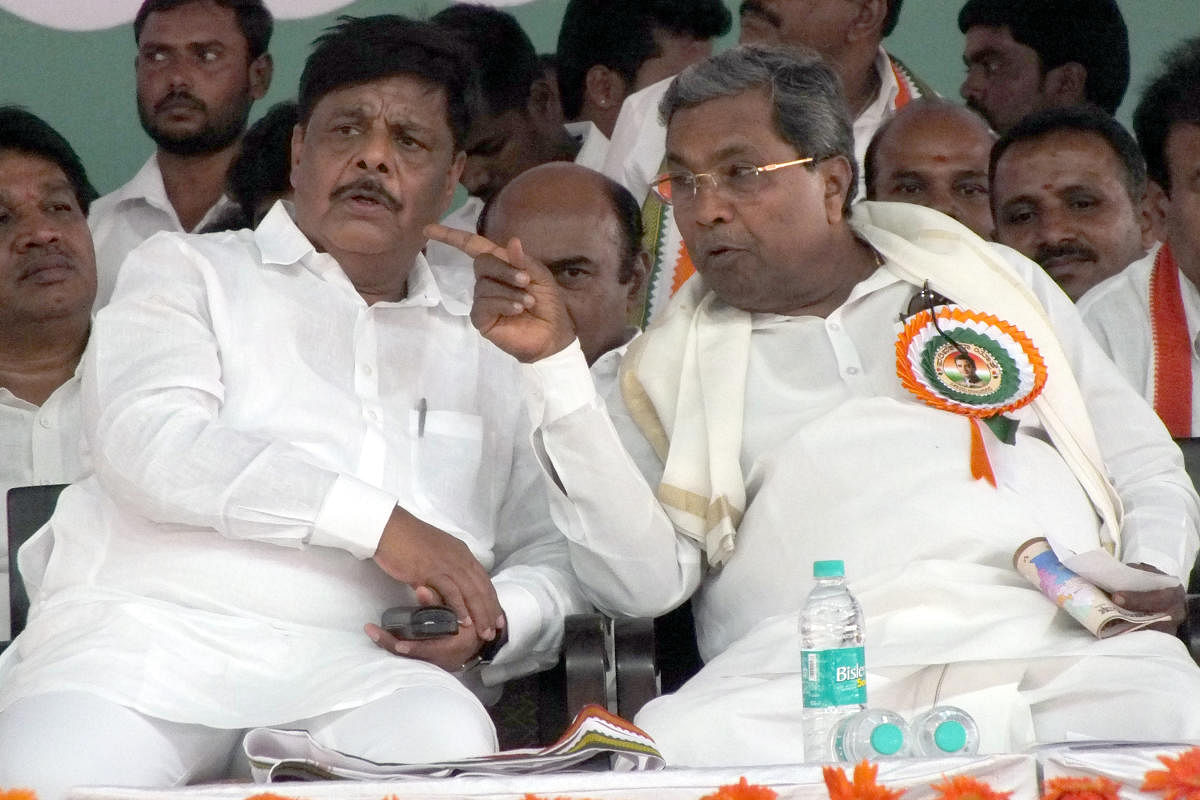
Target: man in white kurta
(288, 425)
(774, 375)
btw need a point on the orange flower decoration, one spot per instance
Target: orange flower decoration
(1098, 788)
(742, 791)
(1181, 778)
(864, 786)
(18, 794)
(964, 787)
(265, 796)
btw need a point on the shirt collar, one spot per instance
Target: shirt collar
(885, 100)
(282, 243)
(147, 187)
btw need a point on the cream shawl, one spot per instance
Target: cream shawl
(684, 380)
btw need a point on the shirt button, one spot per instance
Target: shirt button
(366, 369)
(851, 370)
(833, 326)
(373, 416)
(44, 422)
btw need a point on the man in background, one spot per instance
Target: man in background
(47, 285)
(608, 50)
(1026, 55)
(1067, 188)
(200, 66)
(1147, 318)
(935, 154)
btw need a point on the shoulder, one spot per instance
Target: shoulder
(1126, 291)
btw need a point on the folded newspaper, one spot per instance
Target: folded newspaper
(1084, 601)
(282, 755)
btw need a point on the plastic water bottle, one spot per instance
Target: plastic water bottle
(833, 672)
(945, 731)
(872, 734)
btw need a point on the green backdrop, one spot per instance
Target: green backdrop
(82, 83)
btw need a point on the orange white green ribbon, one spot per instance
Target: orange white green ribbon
(973, 364)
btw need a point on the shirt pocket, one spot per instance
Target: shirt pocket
(447, 459)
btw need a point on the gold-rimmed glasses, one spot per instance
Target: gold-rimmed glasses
(739, 179)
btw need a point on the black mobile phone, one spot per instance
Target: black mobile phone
(419, 622)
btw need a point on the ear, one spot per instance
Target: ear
(603, 87)
(544, 106)
(453, 175)
(1066, 84)
(641, 268)
(297, 146)
(1154, 210)
(261, 70)
(837, 174)
(868, 22)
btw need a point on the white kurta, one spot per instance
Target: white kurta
(841, 462)
(1117, 311)
(38, 445)
(253, 422)
(123, 219)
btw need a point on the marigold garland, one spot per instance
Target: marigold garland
(1181, 778)
(742, 790)
(965, 787)
(1097, 788)
(863, 787)
(18, 794)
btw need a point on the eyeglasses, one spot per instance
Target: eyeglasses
(739, 179)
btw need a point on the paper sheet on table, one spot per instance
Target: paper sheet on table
(288, 755)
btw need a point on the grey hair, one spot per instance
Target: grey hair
(810, 108)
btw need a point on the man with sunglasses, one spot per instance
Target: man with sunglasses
(767, 422)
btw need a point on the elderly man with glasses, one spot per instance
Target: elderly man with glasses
(781, 412)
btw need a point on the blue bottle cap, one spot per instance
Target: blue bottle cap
(887, 739)
(950, 736)
(829, 569)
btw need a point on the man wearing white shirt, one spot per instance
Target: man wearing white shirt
(200, 65)
(766, 422)
(293, 429)
(847, 35)
(47, 283)
(1147, 318)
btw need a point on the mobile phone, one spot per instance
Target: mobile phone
(419, 622)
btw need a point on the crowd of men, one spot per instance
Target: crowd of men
(287, 399)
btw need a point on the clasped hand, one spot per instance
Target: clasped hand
(443, 570)
(1171, 601)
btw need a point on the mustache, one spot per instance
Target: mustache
(759, 10)
(180, 97)
(1047, 252)
(46, 256)
(370, 188)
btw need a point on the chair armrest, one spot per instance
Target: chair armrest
(637, 674)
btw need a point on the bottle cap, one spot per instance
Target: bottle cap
(829, 569)
(950, 736)
(887, 739)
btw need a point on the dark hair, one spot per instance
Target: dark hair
(264, 165)
(810, 109)
(893, 16)
(626, 211)
(253, 18)
(928, 103)
(1173, 97)
(619, 34)
(1089, 32)
(506, 63)
(1080, 119)
(362, 49)
(27, 133)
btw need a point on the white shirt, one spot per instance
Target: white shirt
(253, 422)
(639, 139)
(38, 445)
(1117, 311)
(840, 461)
(455, 265)
(123, 219)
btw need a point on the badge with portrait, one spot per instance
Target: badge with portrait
(973, 364)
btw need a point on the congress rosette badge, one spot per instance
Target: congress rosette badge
(969, 363)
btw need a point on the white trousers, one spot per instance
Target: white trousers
(731, 714)
(52, 742)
